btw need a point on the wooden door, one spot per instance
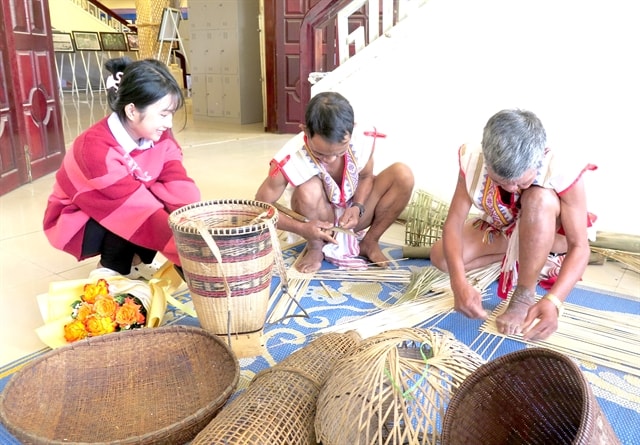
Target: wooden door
(282, 63)
(286, 93)
(31, 137)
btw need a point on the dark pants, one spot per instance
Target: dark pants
(116, 253)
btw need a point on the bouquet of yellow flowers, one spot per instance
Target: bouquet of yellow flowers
(97, 312)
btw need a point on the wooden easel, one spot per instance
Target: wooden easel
(169, 32)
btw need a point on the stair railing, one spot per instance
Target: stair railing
(106, 15)
(326, 41)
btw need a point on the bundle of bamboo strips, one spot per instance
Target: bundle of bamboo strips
(609, 338)
(431, 280)
(629, 259)
(404, 315)
(427, 297)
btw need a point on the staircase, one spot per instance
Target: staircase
(94, 16)
(82, 71)
(329, 20)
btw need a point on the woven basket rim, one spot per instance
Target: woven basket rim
(201, 413)
(240, 230)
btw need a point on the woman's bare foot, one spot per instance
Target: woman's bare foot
(510, 321)
(311, 259)
(372, 251)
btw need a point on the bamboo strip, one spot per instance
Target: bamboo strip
(487, 345)
(280, 307)
(372, 274)
(403, 315)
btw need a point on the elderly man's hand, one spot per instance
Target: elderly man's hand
(468, 301)
(541, 321)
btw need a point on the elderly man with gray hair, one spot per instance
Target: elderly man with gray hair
(533, 219)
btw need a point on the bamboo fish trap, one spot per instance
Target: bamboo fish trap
(393, 389)
(425, 219)
(279, 405)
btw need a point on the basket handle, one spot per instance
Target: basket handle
(278, 259)
(282, 271)
(211, 243)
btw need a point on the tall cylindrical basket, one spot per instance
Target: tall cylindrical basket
(227, 258)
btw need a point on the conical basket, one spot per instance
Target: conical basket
(534, 396)
(227, 258)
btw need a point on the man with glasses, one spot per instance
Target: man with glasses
(337, 202)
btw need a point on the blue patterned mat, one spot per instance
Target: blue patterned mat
(333, 302)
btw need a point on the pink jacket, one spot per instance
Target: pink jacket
(129, 194)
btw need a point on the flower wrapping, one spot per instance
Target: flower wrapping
(62, 300)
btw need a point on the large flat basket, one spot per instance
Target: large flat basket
(144, 386)
(240, 230)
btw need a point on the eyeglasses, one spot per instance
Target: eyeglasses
(328, 150)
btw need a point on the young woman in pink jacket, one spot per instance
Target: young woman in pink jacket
(124, 175)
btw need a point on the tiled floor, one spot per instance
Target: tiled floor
(227, 161)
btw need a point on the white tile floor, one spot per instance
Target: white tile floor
(227, 161)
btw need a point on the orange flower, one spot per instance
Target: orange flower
(85, 310)
(75, 331)
(91, 291)
(105, 306)
(129, 313)
(97, 325)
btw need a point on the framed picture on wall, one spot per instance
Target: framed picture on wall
(86, 41)
(62, 42)
(169, 25)
(132, 41)
(113, 41)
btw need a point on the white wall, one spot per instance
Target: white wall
(434, 83)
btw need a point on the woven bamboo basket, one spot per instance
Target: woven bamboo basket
(425, 218)
(534, 396)
(143, 386)
(230, 295)
(393, 388)
(279, 405)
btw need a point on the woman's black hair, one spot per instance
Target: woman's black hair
(140, 82)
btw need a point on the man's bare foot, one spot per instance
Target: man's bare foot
(372, 251)
(510, 321)
(311, 261)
